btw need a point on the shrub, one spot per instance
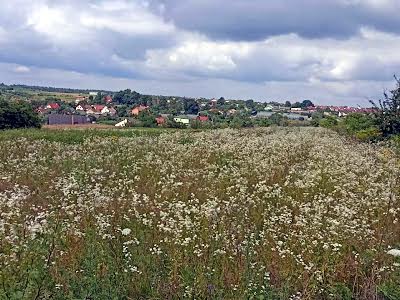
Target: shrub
(328, 122)
(358, 122)
(369, 134)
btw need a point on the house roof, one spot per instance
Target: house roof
(53, 105)
(202, 118)
(98, 107)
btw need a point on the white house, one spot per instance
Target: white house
(122, 123)
(182, 120)
(80, 107)
(105, 110)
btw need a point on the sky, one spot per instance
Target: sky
(339, 52)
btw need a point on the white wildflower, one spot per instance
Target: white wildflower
(126, 231)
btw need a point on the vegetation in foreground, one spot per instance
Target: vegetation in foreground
(274, 213)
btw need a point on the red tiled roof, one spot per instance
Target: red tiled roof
(202, 118)
(53, 105)
(98, 107)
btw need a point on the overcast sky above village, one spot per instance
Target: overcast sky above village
(330, 51)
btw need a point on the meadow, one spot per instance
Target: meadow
(262, 213)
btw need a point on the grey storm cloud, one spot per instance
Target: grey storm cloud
(258, 19)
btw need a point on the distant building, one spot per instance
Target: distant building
(108, 99)
(80, 107)
(135, 111)
(182, 120)
(122, 123)
(202, 118)
(112, 111)
(80, 99)
(160, 120)
(93, 93)
(59, 119)
(53, 106)
(231, 112)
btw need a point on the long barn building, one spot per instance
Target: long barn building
(59, 119)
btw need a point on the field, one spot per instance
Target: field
(275, 213)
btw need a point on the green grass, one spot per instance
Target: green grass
(77, 136)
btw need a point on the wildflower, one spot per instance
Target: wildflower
(394, 252)
(126, 231)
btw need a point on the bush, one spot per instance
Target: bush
(328, 122)
(354, 123)
(17, 115)
(369, 134)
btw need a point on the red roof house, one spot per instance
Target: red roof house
(135, 111)
(202, 118)
(108, 99)
(160, 120)
(98, 107)
(53, 106)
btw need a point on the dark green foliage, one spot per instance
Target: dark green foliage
(147, 119)
(17, 115)
(191, 106)
(388, 111)
(306, 103)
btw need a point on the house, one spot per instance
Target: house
(93, 93)
(80, 99)
(60, 119)
(122, 123)
(108, 99)
(135, 111)
(53, 106)
(231, 112)
(160, 120)
(100, 109)
(296, 109)
(80, 107)
(202, 118)
(182, 119)
(112, 111)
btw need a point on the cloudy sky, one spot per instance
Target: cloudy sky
(331, 51)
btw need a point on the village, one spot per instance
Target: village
(96, 107)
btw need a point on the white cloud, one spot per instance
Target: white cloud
(58, 23)
(132, 18)
(3, 35)
(21, 69)
(199, 54)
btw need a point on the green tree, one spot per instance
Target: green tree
(306, 103)
(99, 98)
(388, 111)
(147, 119)
(17, 115)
